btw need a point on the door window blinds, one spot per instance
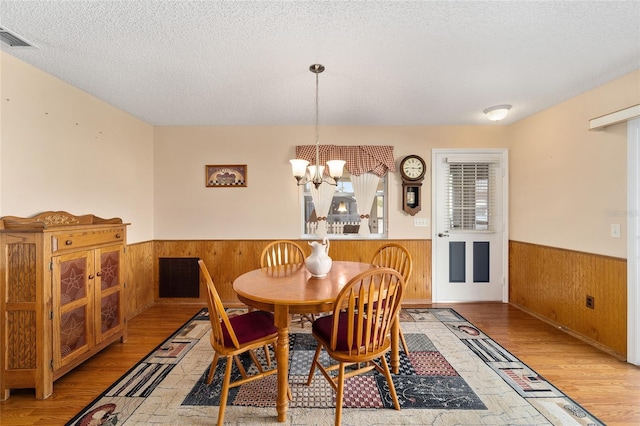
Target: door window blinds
(470, 195)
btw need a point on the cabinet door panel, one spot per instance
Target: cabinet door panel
(73, 334)
(73, 280)
(73, 331)
(110, 317)
(109, 288)
(109, 268)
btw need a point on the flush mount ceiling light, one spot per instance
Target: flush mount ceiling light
(314, 174)
(498, 112)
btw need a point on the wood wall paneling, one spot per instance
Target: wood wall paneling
(139, 278)
(553, 284)
(550, 283)
(228, 259)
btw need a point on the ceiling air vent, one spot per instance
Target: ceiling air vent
(12, 40)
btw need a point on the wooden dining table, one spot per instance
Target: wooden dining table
(290, 289)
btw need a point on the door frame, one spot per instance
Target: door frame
(470, 152)
(633, 241)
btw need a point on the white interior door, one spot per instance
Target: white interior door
(469, 233)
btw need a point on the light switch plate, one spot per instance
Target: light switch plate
(420, 221)
(615, 230)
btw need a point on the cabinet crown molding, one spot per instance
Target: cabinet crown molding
(53, 219)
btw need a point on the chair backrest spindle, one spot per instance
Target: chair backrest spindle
(370, 302)
(394, 256)
(217, 313)
(282, 252)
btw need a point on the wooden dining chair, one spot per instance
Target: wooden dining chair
(395, 256)
(284, 252)
(232, 336)
(359, 329)
(281, 252)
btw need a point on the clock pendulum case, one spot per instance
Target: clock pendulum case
(412, 170)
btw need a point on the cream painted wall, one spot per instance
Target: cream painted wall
(568, 184)
(269, 207)
(62, 149)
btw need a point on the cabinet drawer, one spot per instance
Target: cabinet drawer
(71, 241)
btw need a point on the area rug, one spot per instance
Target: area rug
(453, 374)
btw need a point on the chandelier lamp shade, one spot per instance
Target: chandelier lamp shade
(302, 171)
(497, 112)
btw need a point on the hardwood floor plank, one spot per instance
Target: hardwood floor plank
(607, 387)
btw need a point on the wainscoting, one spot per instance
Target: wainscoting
(550, 283)
(227, 259)
(553, 285)
(138, 277)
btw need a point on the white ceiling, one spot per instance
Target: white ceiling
(387, 62)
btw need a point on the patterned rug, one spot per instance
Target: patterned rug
(453, 374)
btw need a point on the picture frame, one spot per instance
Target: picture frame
(226, 176)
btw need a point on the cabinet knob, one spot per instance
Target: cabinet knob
(90, 276)
(68, 242)
(99, 274)
(118, 236)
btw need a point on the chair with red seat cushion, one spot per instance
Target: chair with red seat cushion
(233, 336)
(359, 330)
(395, 256)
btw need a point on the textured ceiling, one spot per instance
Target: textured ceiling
(387, 63)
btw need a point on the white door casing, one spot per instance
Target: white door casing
(469, 232)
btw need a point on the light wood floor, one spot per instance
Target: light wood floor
(608, 388)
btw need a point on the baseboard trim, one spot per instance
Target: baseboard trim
(573, 333)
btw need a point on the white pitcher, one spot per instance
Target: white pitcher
(319, 263)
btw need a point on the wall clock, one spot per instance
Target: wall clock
(412, 169)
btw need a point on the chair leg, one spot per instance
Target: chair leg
(339, 394)
(224, 393)
(212, 369)
(313, 364)
(267, 355)
(309, 317)
(256, 362)
(392, 388)
(404, 343)
(243, 372)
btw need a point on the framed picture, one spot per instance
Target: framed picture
(225, 176)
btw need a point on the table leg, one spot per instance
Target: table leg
(395, 345)
(281, 319)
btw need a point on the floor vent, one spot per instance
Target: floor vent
(179, 277)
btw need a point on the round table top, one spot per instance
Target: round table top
(294, 286)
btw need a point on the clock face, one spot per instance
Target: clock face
(413, 167)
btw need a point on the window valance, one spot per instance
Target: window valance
(360, 159)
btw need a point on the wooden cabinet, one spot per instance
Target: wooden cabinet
(61, 295)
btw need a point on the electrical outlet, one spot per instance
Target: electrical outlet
(420, 221)
(590, 302)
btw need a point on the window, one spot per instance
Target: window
(470, 203)
(323, 212)
(343, 220)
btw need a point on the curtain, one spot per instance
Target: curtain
(360, 159)
(364, 189)
(322, 198)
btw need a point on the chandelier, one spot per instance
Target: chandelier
(315, 173)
